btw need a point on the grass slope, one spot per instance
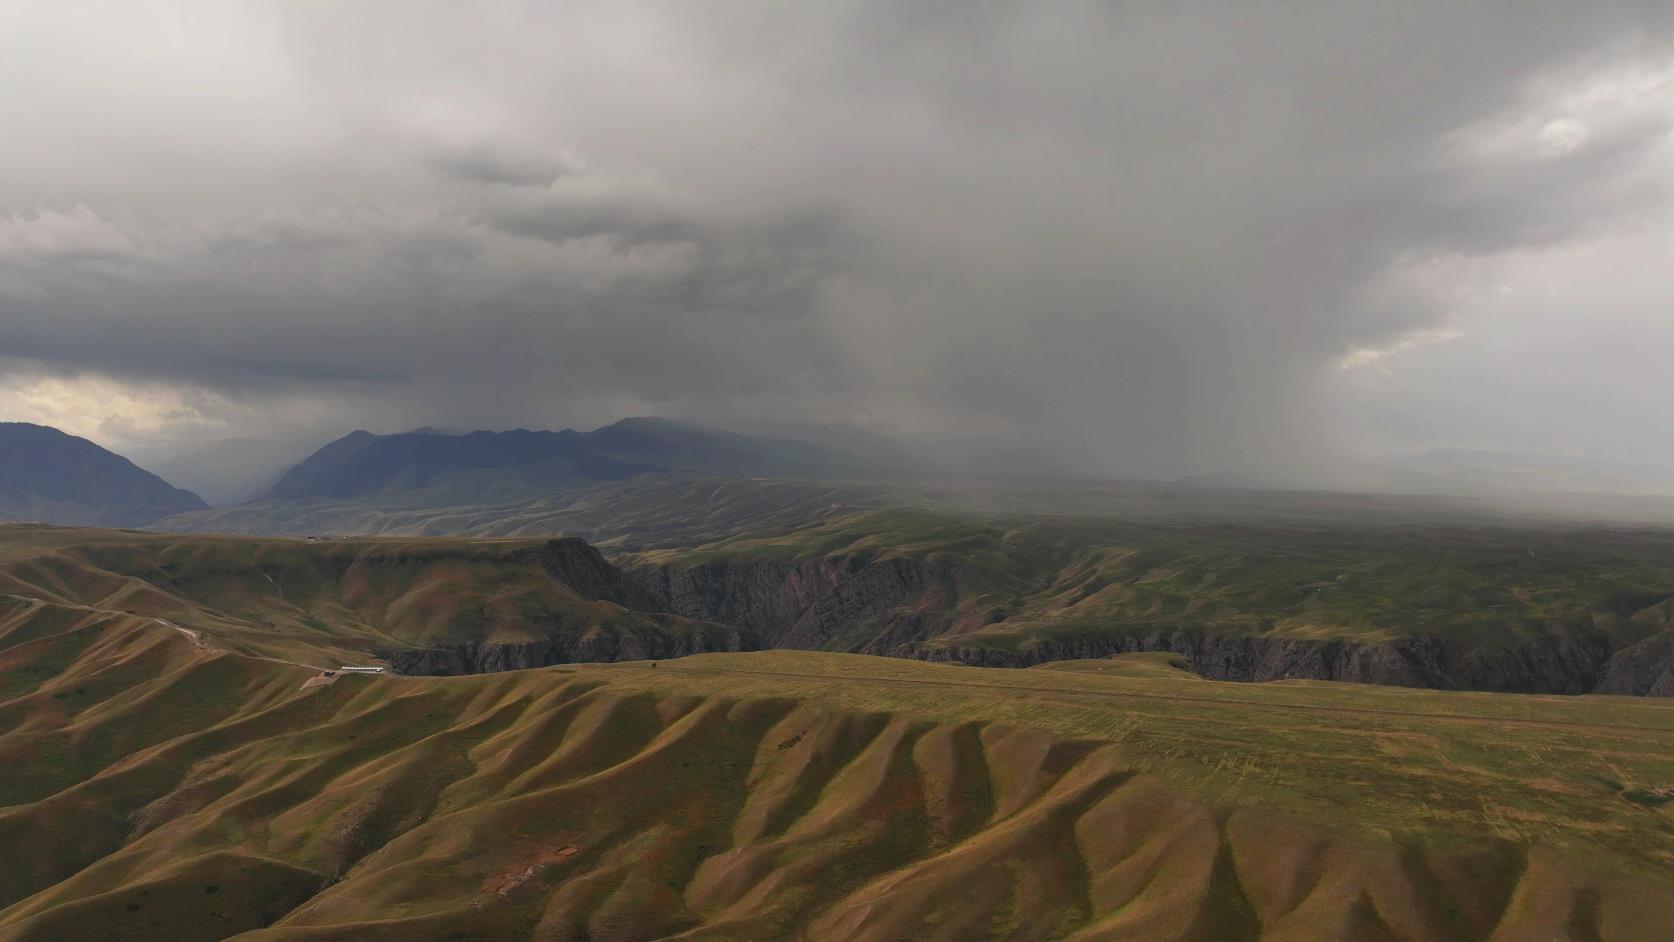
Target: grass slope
(157, 788)
(327, 602)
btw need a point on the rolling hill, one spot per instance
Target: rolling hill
(161, 787)
(50, 477)
(348, 601)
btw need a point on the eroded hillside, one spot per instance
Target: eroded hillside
(160, 788)
(330, 601)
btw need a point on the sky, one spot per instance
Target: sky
(1142, 239)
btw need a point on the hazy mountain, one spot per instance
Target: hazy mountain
(230, 471)
(361, 463)
(48, 476)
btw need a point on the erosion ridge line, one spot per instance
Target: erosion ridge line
(636, 803)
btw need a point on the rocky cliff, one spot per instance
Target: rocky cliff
(1645, 669)
(1569, 666)
(842, 603)
(829, 603)
(898, 606)
(577, 564)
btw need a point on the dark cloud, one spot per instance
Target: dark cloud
(624, 223)
(483, 164)
(1160, 240)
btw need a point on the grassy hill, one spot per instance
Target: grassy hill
(158, 788)
(347, 601)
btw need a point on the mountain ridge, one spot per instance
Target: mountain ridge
(362, 463)
(53, 477)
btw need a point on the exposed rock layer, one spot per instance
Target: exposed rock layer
(843, 602)
(1570, 666)
(897, 606)
(1644, 669)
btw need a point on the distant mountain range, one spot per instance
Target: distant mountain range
(650, 477)
(50, 477)
(362, 464)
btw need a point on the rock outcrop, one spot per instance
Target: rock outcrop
(846, 603)
(579, 565)
(901, 606)
(1645, 669)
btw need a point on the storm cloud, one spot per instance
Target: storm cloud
(1146, 239)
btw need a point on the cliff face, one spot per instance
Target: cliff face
(844, 604)
(578, 565)
(896, 607)
(900, 606)
(1645, 669)
(831, 603)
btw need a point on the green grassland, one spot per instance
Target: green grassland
(157, 788)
